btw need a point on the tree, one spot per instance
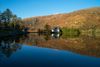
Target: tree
(10, 21)
(47, 27)
(6, 17)
(14, 19)
(0, 17)
(0, 20)
(20, 23)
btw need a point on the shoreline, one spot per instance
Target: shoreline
(14, 33)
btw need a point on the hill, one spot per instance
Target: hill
(81, 19)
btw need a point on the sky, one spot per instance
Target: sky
(31, 8)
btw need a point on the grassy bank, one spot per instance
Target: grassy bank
(76, 32)
(70, 32)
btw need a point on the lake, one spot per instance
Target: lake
(34, 50)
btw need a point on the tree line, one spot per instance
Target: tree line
(8, 20)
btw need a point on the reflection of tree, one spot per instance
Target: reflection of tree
(84, 45)
(9, 46)
(36, 39)
(47, 37)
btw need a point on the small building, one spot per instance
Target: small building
(56, 30)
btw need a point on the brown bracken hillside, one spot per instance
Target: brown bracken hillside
(82, 19)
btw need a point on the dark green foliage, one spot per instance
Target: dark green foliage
(9, 20)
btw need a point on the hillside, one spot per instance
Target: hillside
(81, 19)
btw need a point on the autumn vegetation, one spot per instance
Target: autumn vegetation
(85, 20)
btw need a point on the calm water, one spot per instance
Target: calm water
(34, 50)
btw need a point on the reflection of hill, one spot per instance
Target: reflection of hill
(82, 45)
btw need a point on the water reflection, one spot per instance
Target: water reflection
(9, 45)
(82, 48)
(84, 45)
(56, 35)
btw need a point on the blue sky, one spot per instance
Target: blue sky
(30, 8)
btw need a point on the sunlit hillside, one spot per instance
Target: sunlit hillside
(82, 19)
